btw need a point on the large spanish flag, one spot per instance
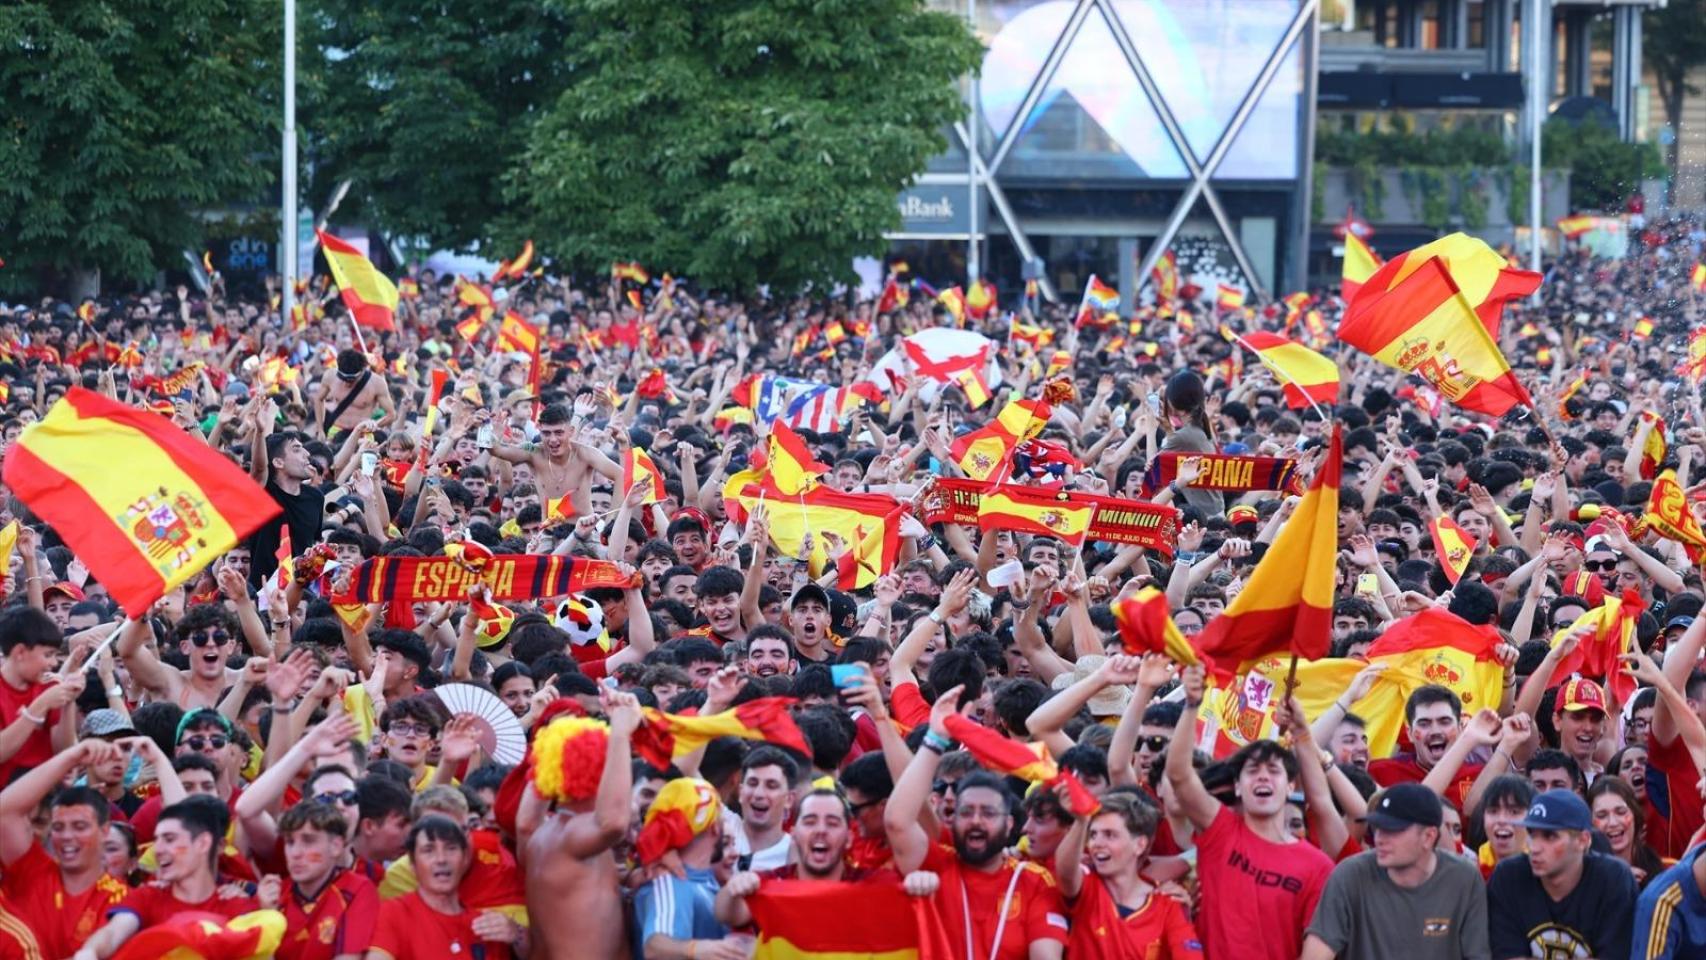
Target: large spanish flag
(143, 503)
(1360, 264)
(1288, 602)
(1486, 280)
(811, 920)
(665, 736)
(1613, 636)
(208, 936)
(369, 294)
(1306, 375)
(1453, 545)
(981, 452)
(1146, 626)
(515, 333)
(869, 523)
(1030, 510)
(1426, 326)
(791, 464)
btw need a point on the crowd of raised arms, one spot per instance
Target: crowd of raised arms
(763, 728)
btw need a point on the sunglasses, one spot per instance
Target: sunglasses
(345, 798)
(1605, 566)
(198, 742)
(208, 638)
(1152, 744)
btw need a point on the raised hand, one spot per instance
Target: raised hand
(946, 705)
(460, 739)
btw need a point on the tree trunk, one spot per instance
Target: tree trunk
(83, 283)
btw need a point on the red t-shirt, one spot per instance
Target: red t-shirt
(1405, 769)
(410, 930)
(36, 893)
(1036, 911)
(17, 941)
(1158, 930)
(38, 746)
(1261, 894)
(340, 920)
(1673, 762)
(155, 904)
(907, 705)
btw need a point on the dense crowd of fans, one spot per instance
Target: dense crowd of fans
(246, 746)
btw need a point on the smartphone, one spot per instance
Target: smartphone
(369, 462)
(1368, 584)
(846, 675)
(1155, 403)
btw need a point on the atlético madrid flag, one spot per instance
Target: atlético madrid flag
(144, 504)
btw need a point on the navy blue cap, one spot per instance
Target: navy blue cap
(1558, 810)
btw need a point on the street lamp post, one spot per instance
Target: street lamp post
(287, 253)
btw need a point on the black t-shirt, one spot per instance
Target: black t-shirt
(305, 513)
(1595, 920)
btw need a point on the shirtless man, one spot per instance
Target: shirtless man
(561, 464)
(565, 851)
(352, 375)
(207, 635)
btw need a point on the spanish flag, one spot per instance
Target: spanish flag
(175, 507)
(1694, 367)
(1010, 758)
(478, 297)
(1037, 337)
(980, 299)
(869, 523)
(1454, 546)
(1228, 297)
(1573, 227)
(514, 333)
(791, 464)
(682, 810)
(560, 509)
(834, 332)
(1288, 602)
(1697, 278)
(408, 288)
(517, 268)
(1165, 273)
(954, 300)
(1596, 656)
(1146, 626)
(1099, 299)
(630, 271)
(1643, 328)
(971, 382)
(665, 736)
(1028, 510)
(439, 379)
(369, 294)
(1425, 325)
(982, 451)
(208, 936)
(1574, 387)
(1654, 450)
(1484, 278)
(1305, 375)
(810, 920)
(1668, 514)
(638, 465)
(1360, 264)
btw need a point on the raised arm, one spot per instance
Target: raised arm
(21, 798)
(907, 839)
(613, 807)
(1194, 800)
(1050, 716)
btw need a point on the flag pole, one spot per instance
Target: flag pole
(360, 341)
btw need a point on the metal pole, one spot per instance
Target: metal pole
(287, 256)
(1536, 36)
(1299, 260)
(973, 265)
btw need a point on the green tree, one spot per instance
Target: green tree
(123, 123)
(424, 109)
(1604, 170)
(1673, 44)
(740, 142)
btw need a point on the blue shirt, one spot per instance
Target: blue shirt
(678, 909)
(1670, 916)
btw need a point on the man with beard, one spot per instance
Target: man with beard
(1265, 880)
(1434, 717)
(186, 846)
(64, 892)
(1116, 912)
(823, 834)
(563, 465)
(1010, 910)
(565, 834)
(769, 652)
(767, 781)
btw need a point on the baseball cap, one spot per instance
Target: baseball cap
(843, 609)
(1404, 805)
(1558, 810)
(1580, 693)
(810, 591)
(106, 723)
(1674, 622)
(66, 587)
(1243, 513)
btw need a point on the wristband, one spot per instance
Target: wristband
(115, 691)
(27, 715)
(1019, 604)
(936, 617)
(937, 743)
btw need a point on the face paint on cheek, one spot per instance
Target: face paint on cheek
(313, 856)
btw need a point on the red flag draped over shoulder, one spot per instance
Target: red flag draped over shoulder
(174, 507)
(1288, 602)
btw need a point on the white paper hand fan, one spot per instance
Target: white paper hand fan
(501, 736)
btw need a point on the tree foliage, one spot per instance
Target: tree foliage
(739, 142)
(1604, 170)
(425, 108)
(122, 121)
(1673, 44)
